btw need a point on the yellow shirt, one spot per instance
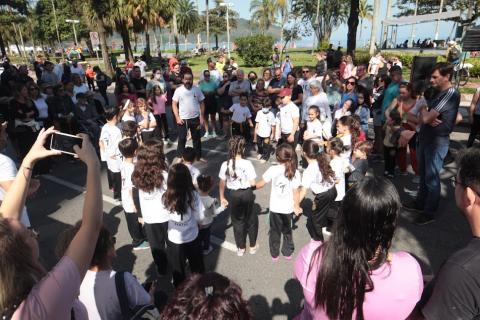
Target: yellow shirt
(219, 66)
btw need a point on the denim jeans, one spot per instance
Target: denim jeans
(430, 158)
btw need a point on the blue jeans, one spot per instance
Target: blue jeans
(430, 158)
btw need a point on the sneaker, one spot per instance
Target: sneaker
(142, 246)
(275, 259)
(207, 251)
(214, 134)
(205, 136)
(423, 220)
(259, 156)
(240, 252)
(290, 257)
(253, 249)
(416, 180)
(263, 161)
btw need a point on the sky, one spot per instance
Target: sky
(423, 30)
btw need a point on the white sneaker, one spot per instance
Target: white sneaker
(254, 250)
(240, 252)
(214, 134)
(259, 157)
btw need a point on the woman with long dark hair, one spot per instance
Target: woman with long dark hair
(354, 275)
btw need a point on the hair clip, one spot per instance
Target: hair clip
(209, 291)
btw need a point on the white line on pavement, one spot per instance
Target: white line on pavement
(215, 240)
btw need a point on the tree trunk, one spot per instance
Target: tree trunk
(373, 34)
(2, 46)
(352, 27)
(148, 56)
(361, 27)
(207, 24)
(175, 31)
(102, 34)
(127, 46)
(216, 40)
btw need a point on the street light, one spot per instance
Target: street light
(227, 4)
(73, 22)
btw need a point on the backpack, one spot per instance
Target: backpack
(142, 312)
(454, 54)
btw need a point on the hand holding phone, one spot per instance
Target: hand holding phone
(65, 142)
(38, 150)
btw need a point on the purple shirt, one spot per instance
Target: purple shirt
(398, 285)
(55, 295)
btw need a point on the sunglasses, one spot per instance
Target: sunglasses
(305, 71)
(351, 82)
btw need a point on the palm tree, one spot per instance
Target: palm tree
(145, 12)
(373, 34)
(187, 17)
(365, 11)
(263, 13)
(282, 7)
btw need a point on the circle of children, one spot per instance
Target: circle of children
(323, 112)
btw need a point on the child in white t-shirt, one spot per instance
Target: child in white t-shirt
(188, 158)
(284, 200)
(212, 208)
(186, 211)
(238, 175)
(319, 127)
(109, 139)
(241, 117)
(340, 166)
(128, 148)
(264, 130)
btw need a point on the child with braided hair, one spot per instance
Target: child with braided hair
(238, 175)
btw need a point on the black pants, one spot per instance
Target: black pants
(264, 147)
(241, 129)
(103, 92)
(280, 224)
(91, 84)
(194, 126)
(148, 135)
(116, 183)
(324, 204)
(244, 220)
(284, 139)
(157, 237)
(134, 228)
(204, 237)
(162, 125)
(474, 130)
(178, 254)
(389, 156)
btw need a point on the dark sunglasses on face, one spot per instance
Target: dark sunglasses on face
(351, 82)
(305, 71)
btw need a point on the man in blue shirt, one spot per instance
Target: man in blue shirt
(393, 89)
(438, 119)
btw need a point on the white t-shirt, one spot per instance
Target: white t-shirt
(305, 84)
(320, 130)
(184, 229)
(193, 171)
(244, 170)
(8, 172)
(128, 117)
(42, 106)
(240, 114)
(340, 113)
(151, 203)
(265, 123)
(374, 65)
(281, 193)
(188, 101)
(126, 171)
(141, 121)
(285, 117)
(103, 283)
(111, 136)
(321, 101)
(312, 178)
(142, 65)
(78, 70)
(339, 166)
(79, 89)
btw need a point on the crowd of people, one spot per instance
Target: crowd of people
(309, 125)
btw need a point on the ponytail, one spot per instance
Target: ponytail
(286, 156)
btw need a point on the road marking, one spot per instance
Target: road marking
(215, 240)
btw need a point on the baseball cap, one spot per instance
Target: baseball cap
(285, 92)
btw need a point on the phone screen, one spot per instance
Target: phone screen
(65, 143)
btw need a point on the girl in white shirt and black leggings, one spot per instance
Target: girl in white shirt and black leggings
(185, 209)
(150, 178)
(238, 175)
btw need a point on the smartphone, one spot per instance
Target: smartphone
(64, 142)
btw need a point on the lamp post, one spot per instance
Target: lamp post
(227, 4)
(73, 22)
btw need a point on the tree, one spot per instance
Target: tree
(352, 27)
(255, 50)
(332, 14)
(145, 12)
(263, 13)
(282, 7)
(187, 17)
(218, 20)
(373, 34)
(295, 32)
(365, 12)
(11, 11)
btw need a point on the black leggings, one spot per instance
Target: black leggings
(244, 220)
(178, 254)
(324, 202)
(162, 125)
(157, 237)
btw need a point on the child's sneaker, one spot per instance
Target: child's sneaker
(259, 156)
(240, 252)
(142, 246)
(275, 259)
(254, 249)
